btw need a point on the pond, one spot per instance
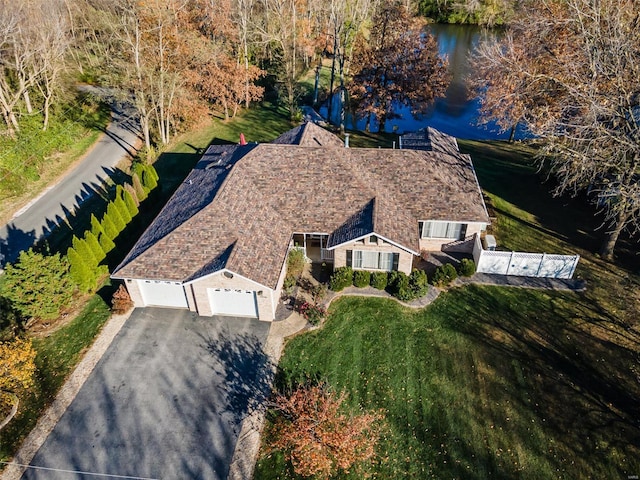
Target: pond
(456, 113)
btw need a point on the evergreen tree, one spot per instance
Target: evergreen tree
(149, 177)
(152, 170)
(141, 191)
(38, 285)
(122, 208)
(108, 225)
(84, 250)
(116, 218)
(94, 245)
(83, 275)
(96, 227)
(106, 243)
(132, 191)
(130, 203)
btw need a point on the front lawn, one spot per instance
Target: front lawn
(494, 382)
(487, 382)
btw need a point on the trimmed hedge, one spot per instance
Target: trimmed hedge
(418, 283)
(379, 280)
(445, 274)
(361, 278)
(467, 267)
(342, 278)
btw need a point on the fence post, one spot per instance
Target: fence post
(510, 261)
(540, 266)
(575, 264)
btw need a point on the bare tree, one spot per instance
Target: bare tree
(570, 71)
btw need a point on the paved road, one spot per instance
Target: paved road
(166, 401)
(40, 217)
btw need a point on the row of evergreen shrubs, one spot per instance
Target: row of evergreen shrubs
(90, 249)
(400, 285)
(404, 287)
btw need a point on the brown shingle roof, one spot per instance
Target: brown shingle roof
(309, 135)
(269, 191)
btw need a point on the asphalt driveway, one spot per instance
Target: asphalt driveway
(166, 401)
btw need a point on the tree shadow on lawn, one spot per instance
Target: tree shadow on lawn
(583, 383)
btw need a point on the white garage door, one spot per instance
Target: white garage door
(237, 303)
(163, 294)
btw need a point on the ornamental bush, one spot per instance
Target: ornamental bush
(445, 274)
(342, 278)
(121, 301)
(379, 280)
(361, 278)
(312, 312)
(289, 283)
(467, 267)
(418, 283)
(398, 285)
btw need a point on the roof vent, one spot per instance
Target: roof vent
(346, 140)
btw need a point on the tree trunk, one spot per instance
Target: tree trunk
(27, 101)
(611, 237)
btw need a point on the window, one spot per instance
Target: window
(369, 260)
(435, 229)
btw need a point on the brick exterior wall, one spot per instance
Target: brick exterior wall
(266, 302)
(405, 259)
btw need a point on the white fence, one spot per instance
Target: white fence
(523, 264)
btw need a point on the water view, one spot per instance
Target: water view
(456, 113)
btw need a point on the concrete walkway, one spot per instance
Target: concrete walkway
(65, 396)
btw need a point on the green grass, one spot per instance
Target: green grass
(57, 355)
(487, 382)
(492, 382)
(35, 158)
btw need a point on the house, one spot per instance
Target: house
(220, 244)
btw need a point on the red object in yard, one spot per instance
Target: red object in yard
(242, 140)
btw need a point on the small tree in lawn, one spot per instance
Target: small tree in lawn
(17, 368)
(38, 285)
(316, 435)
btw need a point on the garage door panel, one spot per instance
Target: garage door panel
(163, 294)
(237, 303)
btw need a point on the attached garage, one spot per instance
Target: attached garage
(232, 302)
(162, 294)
